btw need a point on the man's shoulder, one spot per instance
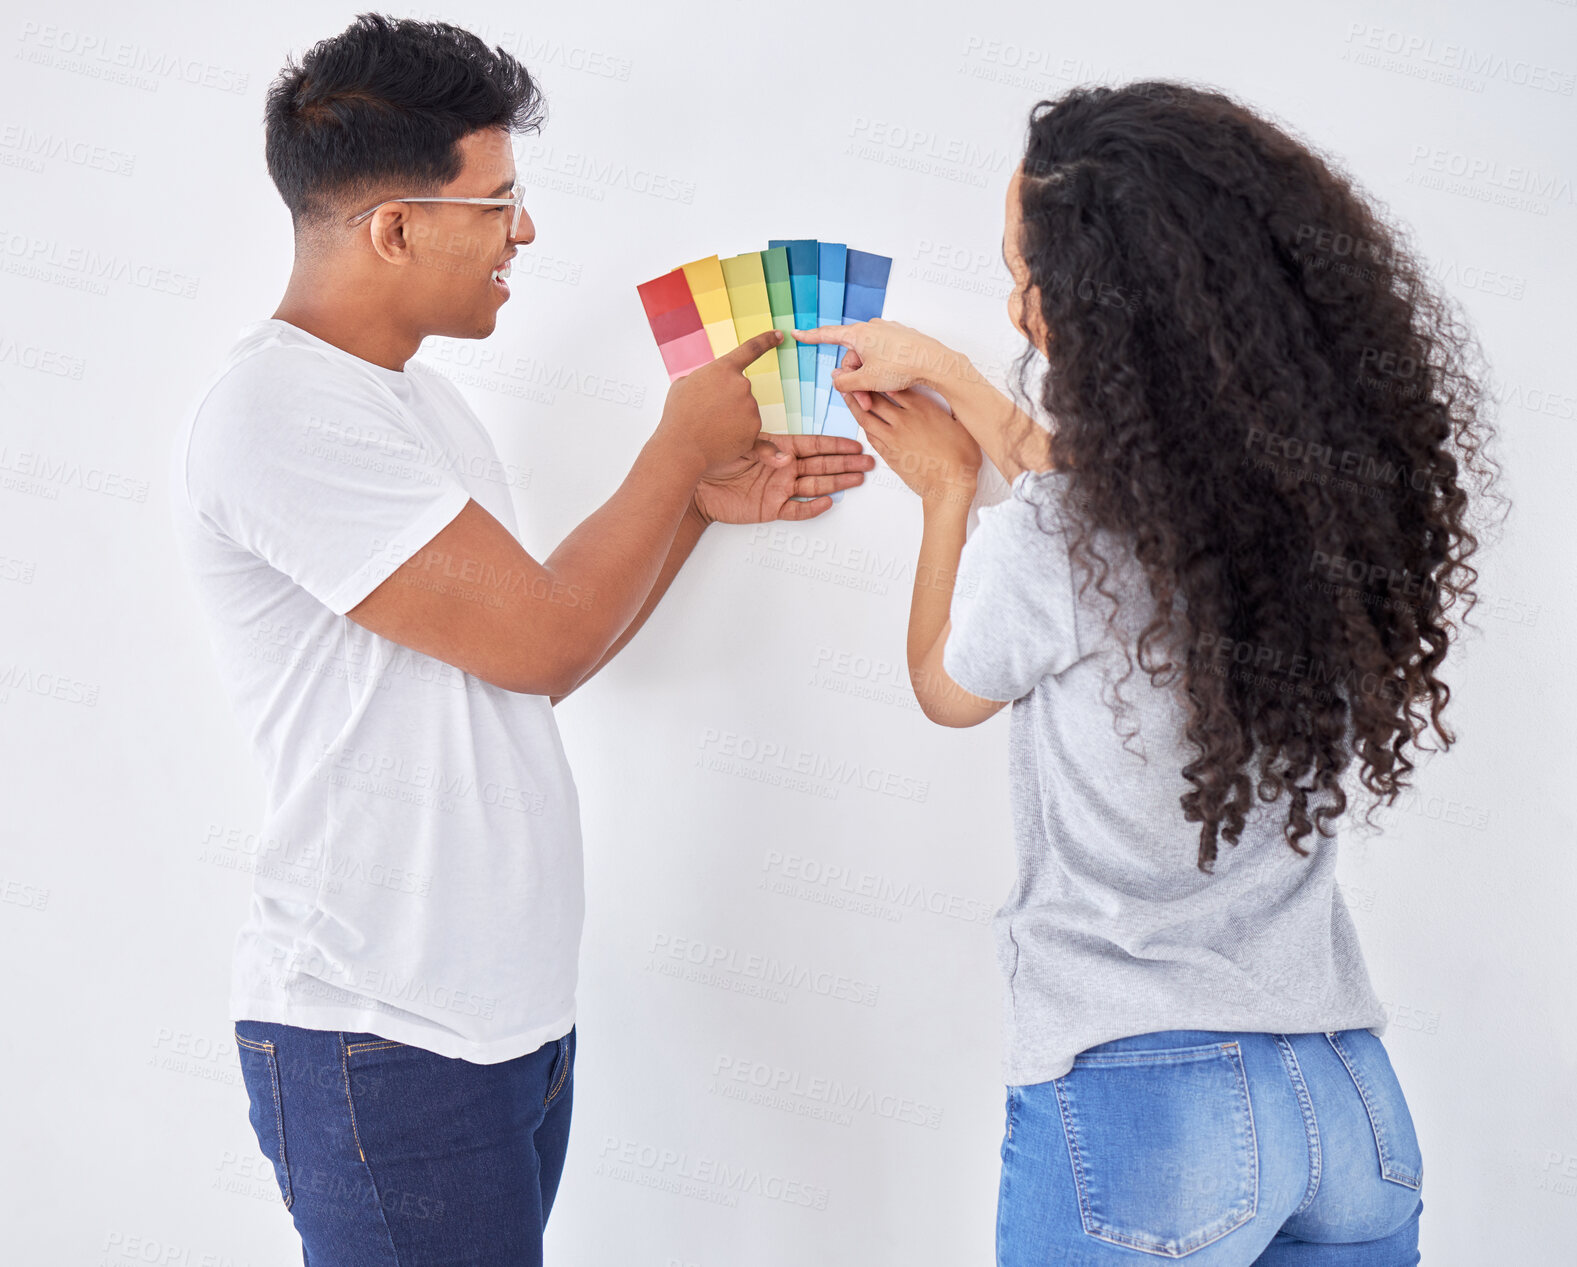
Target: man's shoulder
(230, 393)
(261, 358)
(272, 381)
(270, 404)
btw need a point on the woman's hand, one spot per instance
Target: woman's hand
(886, 356)
(921, 440)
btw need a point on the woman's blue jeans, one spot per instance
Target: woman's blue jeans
(389, 1155)
(1220, 1149)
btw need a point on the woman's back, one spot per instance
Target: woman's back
(1219, 600)
(1111, 928)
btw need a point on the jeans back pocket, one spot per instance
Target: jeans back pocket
(260, 1073)
(1395, 1139)
(1162, 1142)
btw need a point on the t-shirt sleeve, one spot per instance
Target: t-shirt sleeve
(318, 473)
(1013, 610)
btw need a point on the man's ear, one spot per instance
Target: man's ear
(389, 232)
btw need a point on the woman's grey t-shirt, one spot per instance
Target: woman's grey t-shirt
(1110, 928)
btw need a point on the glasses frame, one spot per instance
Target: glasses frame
(515, 200)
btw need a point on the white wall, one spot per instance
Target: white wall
(125, 1136)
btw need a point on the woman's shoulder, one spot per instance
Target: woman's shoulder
(1031, 512)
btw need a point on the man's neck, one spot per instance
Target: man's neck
(354, 331)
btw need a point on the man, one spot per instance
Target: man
(403, 988)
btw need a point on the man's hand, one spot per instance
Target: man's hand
(762, 484)
(711, 412)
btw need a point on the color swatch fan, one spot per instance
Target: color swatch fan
(710, 306)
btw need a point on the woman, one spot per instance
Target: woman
(1255, 483)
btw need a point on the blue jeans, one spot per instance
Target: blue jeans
(1224, 1149)
(389, 1155)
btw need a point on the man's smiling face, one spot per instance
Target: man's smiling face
(453, 253)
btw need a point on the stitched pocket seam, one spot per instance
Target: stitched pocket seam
(1388, 1166)
(1154, 1055)
(287, 1193)
(563, 1070)
(350, 1103)
(1311, 1123)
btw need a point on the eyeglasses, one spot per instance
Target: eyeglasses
(516, 200)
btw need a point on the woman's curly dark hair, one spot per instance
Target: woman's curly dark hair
(1251, 381)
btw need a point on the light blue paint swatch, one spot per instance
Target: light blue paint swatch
(864, 292)
(832, 261)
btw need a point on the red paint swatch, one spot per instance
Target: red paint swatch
(676, 325)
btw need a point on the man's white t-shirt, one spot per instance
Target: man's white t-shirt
(419, 874)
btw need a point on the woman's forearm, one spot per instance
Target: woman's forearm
(941, 544)
(1013, 440)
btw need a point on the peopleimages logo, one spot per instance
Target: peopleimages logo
(895, 144)
(588, 175)
(397, 777)
(708, 963)
(1323, 459)
(530, 377)
(1458, 64)
(86, 267)
(685, 1173)
(729, 752)
(761, 1082)
(136, 65)
(1536, 191)
(796, 875)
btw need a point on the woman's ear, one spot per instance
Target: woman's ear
(1037, 332)
(1023, 302)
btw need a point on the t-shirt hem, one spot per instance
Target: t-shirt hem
(991, 693)
(384, 564)
(373, 1021)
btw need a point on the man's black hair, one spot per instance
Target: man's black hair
(382, 104)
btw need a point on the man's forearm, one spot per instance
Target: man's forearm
(691, 526)
(613, 557)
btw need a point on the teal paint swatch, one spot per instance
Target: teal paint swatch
(803, 258)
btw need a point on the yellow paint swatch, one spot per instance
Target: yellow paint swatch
(705, 277)
(746, 284)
